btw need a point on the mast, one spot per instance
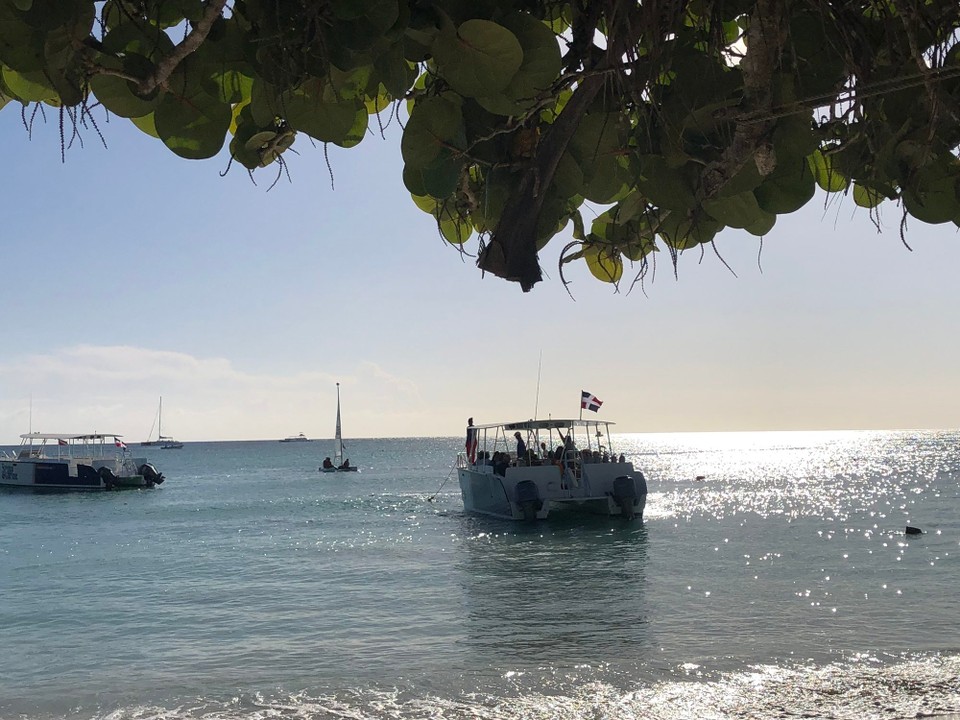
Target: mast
(338, 451)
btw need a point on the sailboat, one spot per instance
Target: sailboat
(338, 464)
(164, 441)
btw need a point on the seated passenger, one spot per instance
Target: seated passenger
(327, 464)
(346, 464)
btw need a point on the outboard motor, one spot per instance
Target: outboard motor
(630, 494)
(150, 474)
(527, 496)
(108, 477)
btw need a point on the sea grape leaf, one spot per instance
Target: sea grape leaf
(310, 109)
(28, 86)
(539, 69)
(118, 94)
(738, 211)
(934, 198)
(435, 127)
(666, 187)
(479, 58)
(826, 175)
(762, 225)
(604, 263)
(146, 124)
(788, 189)
(192, 127)
(866, 197)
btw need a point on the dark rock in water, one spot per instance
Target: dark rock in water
(914, 530)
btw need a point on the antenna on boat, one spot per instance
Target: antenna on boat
(536, 405)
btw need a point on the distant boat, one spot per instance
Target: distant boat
(297, 438)
(338, 464)
(165, 442)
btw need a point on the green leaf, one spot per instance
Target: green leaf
(825, 174)
(763, 225)
(604, 263)
(737, 211)
(28, 86)
(683, 232)
(540, 67)
(934, 198)
(866, 197)
(435, 128)
(319, 114)
(789, 188)
(193, 127)
(440, 176)
(118, 95)
(479, 58)
(146, 124)
(666, 187)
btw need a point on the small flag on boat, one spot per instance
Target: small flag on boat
(61, 441)
(589, 401)
(119, 443)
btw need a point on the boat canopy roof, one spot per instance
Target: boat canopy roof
(69, 436)
(551, 424)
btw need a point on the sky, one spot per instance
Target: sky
(132, 274)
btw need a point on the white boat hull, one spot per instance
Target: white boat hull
(536, 492)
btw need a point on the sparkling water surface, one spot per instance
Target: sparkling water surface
(770, 577)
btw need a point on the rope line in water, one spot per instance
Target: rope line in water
(431, 498)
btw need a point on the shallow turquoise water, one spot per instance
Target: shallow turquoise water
(251, 586)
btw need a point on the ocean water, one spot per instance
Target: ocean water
(250, 586)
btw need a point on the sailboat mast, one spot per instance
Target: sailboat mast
(339, 449)
(160, 419)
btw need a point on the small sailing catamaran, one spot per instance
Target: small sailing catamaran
(338, 464)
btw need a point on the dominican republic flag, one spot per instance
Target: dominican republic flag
(120, 443)
(589, 401)
(61, 441)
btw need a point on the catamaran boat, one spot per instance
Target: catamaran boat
(569, 467)
(92, 461)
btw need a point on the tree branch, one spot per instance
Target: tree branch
(765, 39)
(189, 44)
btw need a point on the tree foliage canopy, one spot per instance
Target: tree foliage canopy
(677, 118)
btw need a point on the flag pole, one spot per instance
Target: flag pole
(581, 404)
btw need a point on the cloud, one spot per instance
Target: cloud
(116, 388)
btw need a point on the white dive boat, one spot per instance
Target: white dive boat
(164, 441)
(92, 461)
(338, 464)
(574, 470)
(297, 438)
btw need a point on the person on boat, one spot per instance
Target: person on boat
(327, 464)
(471, 443)
(501, 461)
(521, 448)
(345, 465)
